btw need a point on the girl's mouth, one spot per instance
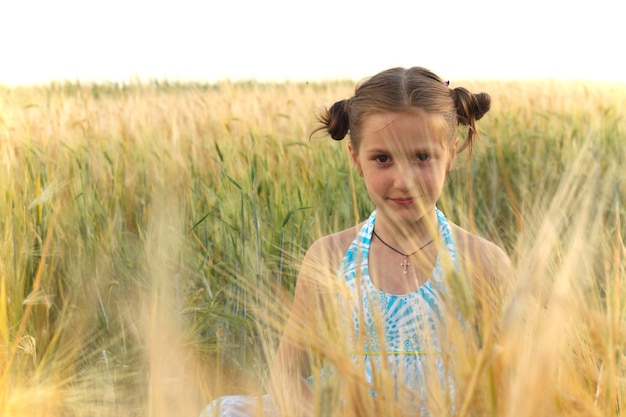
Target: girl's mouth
(402, 201)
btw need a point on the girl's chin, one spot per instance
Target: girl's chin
(409, 214)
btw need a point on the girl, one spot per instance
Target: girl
(371, 315)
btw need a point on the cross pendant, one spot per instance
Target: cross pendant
(405, 265)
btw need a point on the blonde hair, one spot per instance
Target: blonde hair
(402, 90)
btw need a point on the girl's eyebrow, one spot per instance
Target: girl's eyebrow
(415, 149)
(378, 150)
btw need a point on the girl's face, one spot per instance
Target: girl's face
(404, 162)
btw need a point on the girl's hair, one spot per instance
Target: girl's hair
(403, 90)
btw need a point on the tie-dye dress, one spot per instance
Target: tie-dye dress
(411, 330)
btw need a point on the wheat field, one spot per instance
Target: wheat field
(151, 235)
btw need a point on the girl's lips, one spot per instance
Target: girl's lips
(402, 201)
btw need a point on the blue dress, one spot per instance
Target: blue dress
(410, 341)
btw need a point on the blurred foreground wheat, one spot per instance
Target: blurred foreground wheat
(150, 237)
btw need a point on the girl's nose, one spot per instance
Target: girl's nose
(403, 179)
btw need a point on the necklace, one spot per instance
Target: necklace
(405, 263)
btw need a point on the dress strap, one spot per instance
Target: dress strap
(445, 231)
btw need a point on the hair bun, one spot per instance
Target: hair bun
(483, 104)
(337, 119)
(470, 107)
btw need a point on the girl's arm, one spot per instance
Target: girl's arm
(291, 393)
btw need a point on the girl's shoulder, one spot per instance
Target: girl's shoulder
(481, 258)
(322, 260)
(333, 246)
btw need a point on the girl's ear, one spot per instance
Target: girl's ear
(453, 149)
(355, 158)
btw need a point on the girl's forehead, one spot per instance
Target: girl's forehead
(416, 122)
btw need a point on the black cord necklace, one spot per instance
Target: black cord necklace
(405, 263)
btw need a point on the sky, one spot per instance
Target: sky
(293, 40)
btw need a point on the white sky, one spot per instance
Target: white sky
(211, 40)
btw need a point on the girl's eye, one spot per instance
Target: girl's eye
(383, 159)
(423, 157)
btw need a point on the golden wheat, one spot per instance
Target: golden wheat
(151, 235)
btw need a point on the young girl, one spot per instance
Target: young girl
(372, 313)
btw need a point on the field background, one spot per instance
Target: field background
(151, 233)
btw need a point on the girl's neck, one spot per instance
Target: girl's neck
(407, 236)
